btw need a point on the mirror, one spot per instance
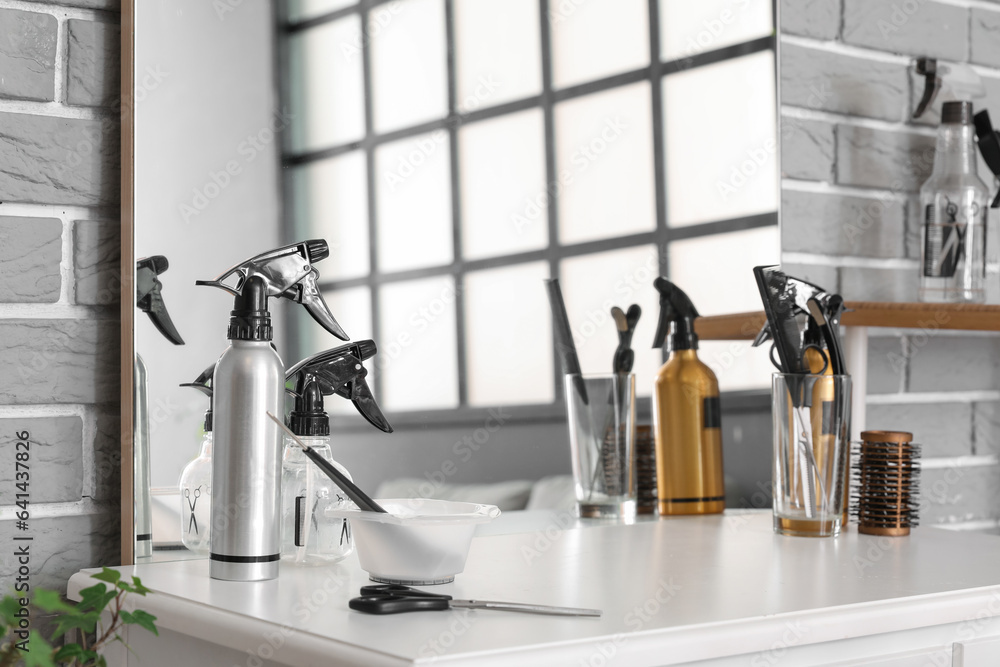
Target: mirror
(453, 153)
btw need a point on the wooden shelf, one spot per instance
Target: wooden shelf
(958, 316)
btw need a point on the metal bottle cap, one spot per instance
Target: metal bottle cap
(956, 113)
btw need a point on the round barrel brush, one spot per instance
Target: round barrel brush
(886, 492)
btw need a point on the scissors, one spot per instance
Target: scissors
(193, 522)
(396, 599)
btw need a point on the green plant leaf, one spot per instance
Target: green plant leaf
(47, 600)
(83, 621)
(8, 607)
(141, 618)
(108, 575)
(74, 651)
(96, 598)
(39, 653)
(138, 587)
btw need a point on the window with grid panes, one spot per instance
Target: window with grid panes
(455, 153)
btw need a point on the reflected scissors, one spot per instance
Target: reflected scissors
(193, 521)
(396, 599)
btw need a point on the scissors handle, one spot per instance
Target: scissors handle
(400, 590)
(398, 604)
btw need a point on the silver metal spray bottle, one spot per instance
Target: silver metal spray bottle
(248, 383)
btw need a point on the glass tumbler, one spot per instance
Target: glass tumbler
(601, 414)
(812, 421)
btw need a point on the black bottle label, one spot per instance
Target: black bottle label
(713, 412)
(300, 502)
(827, 418)
(944, 240)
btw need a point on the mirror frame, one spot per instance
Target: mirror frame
(127, 269)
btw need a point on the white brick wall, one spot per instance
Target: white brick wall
(59, 283)
(853, 161)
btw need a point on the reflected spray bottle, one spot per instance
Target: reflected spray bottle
(954, 202)
(196, 480)
(149, 300)
(686, 414)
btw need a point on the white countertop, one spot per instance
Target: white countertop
(672, 590)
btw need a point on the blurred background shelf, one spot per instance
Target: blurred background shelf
(958, 316)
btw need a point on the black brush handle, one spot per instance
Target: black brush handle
(564, 338)
(353, 491)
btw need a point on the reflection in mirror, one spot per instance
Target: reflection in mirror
(454, 154)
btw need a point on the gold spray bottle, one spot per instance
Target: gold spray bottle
(686, 414)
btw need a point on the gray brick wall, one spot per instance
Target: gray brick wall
(59, 281)
(853, 160)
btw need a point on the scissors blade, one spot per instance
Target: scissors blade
(527, 608)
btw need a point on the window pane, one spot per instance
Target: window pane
(409, 83)
(353, 309)
(300, 10)
(604, 157)
(591, 285)
(418, 358)
(327, 86)
(716, 271)
(503, 185)
(689, 28)
(414, 203)
(502, 369)
(498, 52)
(597, 38)
(721, 147)
(331, 203)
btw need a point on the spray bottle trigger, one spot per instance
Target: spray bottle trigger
(927, 67)
(149, 297)
(306, 292)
